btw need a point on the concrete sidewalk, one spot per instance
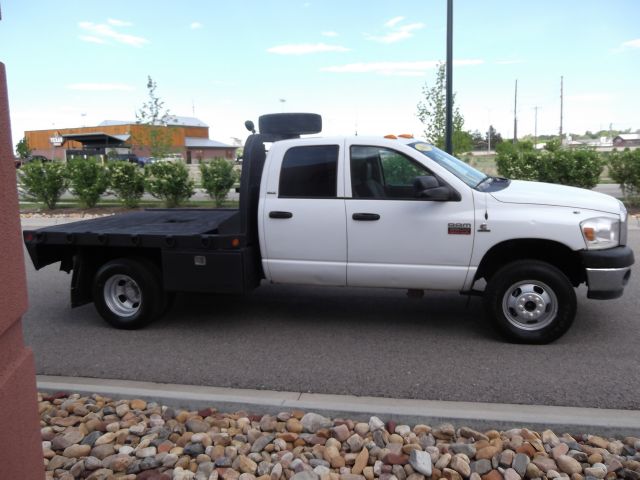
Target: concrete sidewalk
(475, 415)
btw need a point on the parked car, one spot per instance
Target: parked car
(32, 158)
(130, 157)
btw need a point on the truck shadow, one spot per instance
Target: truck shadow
(338, 308)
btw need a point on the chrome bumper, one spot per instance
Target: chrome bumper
(607, 283)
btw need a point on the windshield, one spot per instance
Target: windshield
(463, 171)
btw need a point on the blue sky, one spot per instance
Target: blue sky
(360, 64)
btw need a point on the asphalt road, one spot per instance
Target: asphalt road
(346, 341)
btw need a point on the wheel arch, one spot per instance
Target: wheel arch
(88, 260)
(555, 253)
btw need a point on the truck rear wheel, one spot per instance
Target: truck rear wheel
(128, 293)
(531, 301)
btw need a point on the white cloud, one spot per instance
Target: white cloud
(397, 31)
(404, 69)
(329, 34)
(90, 39)
(631, 44)
(196, 25)
(107, 32)
(100, 87)
(118, 23)
(393, 22)
(306, 48)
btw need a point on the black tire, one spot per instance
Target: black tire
(530, 301)
(128, 293)
(290, 124)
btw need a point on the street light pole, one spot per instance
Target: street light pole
(448, 145)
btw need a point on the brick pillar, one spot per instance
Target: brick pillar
(20, 442)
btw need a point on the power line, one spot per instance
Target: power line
(515, 114)
(535, 128)
(561, 104)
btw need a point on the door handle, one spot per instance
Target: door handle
(368, 217)
(277, 214)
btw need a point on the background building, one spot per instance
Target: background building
(189, 139)
(627, 140)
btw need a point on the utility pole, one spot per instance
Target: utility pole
(515, 115)
(561, 105)
(535, 128)
(448, 144)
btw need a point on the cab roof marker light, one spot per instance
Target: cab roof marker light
(405, 135)
(391, 137)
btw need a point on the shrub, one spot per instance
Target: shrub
(169, 181)
(217, 178)
(126, 180)
(578, 168)
(44, 182)
(88, 180)
(520, 161)
(624, 168)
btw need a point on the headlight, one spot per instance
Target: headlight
(623, 211)
(601, 232)
(623, 224)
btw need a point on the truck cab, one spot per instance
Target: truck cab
(347, 212)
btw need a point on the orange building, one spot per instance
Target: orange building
(189, 139)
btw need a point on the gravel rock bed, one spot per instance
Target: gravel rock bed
(96, 438)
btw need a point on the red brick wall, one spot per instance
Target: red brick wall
(20, 447)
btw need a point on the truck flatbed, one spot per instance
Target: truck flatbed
(186, 221)
(208, 229)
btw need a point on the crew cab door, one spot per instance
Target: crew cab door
(302, 215)
(396, 239)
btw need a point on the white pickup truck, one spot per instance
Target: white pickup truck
(359, 212)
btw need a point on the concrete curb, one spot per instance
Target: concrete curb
(617, 423)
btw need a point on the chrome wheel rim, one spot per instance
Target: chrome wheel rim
(122, 295)
(530, 305)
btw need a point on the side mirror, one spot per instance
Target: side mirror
(425, 182)
(437, 194)
(428, 188)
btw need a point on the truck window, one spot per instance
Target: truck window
(378, 172)
(309, 172)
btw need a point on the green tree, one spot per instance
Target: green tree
(126, 180)
(479, 141)
(169, 181)
(88, 179)
(157, 136)
(218, 177)
(580, 167)
(575, 167)
(22, 148)
(624, 168)
(495, 137)
(43, 182)
(519, 161)
(432, 113)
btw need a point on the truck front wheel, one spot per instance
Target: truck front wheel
(530, 301)
(128, 293)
